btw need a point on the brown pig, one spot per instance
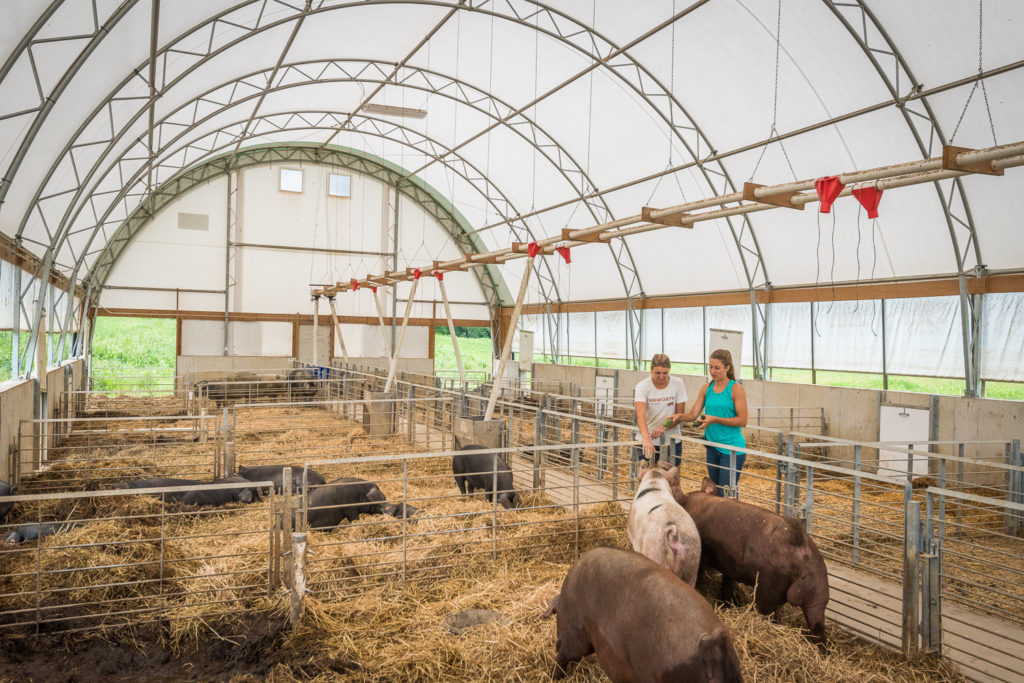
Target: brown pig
(660, 529)
(754, 546)
(643, 622)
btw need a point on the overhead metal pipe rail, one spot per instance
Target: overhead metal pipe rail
(954, 162)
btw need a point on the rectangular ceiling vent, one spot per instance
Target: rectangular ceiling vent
(193, 221)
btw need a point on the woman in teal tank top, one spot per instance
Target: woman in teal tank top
(724, 403)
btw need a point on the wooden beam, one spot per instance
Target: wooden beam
(944, 286)
(293, 318)
(21, 257)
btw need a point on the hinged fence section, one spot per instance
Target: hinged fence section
(108, 559)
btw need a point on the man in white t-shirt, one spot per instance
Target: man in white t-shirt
(658, 400)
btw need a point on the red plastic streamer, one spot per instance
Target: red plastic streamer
(439, 274)
(373, 289)
(564, 253)
(828, 189)
(416, 273)
(533, 249)
(355, 285)
(869, 197)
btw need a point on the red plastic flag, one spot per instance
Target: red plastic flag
(564, 253)
(533, 249)
(416, 273)
(828, 189)
(439, 274)
(355, 285)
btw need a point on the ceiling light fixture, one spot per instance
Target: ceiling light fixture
(388, 110)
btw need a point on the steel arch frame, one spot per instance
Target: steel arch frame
(415, 189)
(621, 257)
(534, 135)
(970, 305)
(465, 236)
(460, 237)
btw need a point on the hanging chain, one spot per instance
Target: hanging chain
(979, 82)
(773, 132)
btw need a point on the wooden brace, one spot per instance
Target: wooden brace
(785, 200)
(680, 220)
(949, 162)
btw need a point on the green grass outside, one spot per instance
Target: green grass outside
(144, 348)
(5, 352)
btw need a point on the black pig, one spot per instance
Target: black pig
(476, 471)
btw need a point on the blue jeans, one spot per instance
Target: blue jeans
(638, 454)
(718, 467)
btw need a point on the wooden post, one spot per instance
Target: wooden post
(506, 351)
(385, 346)
(401, 336)
(337, 326)
(451, 330)
(316, 316)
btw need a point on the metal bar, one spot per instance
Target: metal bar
(911, 543)
(855, 533)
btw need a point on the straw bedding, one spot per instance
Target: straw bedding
(381, 587)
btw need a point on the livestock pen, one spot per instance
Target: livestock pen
(391, 583)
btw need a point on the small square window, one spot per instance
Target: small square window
(291, 180)
(340, 186)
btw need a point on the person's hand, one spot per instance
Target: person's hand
(648, 448)
(657, 432)
(705, 420)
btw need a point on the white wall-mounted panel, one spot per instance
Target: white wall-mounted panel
(261, 338)
(202, 337)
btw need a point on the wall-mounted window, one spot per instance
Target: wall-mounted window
(193, 221)
(291, 180)
(340, 186)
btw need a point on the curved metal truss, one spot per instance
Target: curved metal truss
(211, 37)
(214, 101)
(239, 22)
(894, 72)
(137, 190)
(148, 204)
(416, 190)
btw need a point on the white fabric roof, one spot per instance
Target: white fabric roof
(547, 101)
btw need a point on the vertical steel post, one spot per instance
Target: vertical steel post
(405, 518)
(857, 462)
(298, 579)
(809, 501)
(931, 603)
(538, 436)
(942, 499)
(911, 596)
(733, 492)
(494, 507)
(960, 487)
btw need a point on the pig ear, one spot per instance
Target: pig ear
(673, 474)
(708, 486)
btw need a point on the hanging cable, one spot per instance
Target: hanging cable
(856, 305)
(832, 268)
